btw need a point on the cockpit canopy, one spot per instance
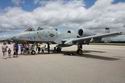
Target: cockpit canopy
(30, 29)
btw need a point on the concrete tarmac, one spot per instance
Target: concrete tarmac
(98, 64)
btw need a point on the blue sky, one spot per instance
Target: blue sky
(29, 5)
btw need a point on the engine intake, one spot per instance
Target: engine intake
(80, 32)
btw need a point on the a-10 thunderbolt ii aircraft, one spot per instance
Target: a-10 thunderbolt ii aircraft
(63, 38)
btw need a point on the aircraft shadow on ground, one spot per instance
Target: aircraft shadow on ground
(88, 51)
(72, 53)
(86, 55)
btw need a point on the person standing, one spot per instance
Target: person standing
(22, 48)
(9, 49)
(16, 48)
(4, 50)
(39, 49)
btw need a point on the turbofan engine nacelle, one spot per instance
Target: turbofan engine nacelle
(80, 32)
(84, 32)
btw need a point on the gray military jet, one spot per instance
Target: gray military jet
(63, 38)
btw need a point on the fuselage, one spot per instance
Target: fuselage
(52, 35)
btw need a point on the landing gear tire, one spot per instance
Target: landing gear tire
(80, 51)
(33, 52)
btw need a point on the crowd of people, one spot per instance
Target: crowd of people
(15, 49)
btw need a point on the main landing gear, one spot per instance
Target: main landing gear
(57, 49)
(79, 49)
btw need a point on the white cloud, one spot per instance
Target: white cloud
(102, 14)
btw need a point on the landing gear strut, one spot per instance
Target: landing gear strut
(79, 49)
(48, 47)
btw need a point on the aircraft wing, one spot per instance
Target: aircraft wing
(69, 41)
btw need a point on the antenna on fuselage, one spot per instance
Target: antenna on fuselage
(29, 29)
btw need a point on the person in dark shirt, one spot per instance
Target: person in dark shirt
(16, 48)
(22, 48)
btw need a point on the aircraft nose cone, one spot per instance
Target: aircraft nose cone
(15, 38)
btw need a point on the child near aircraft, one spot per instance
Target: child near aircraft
(9, 53)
